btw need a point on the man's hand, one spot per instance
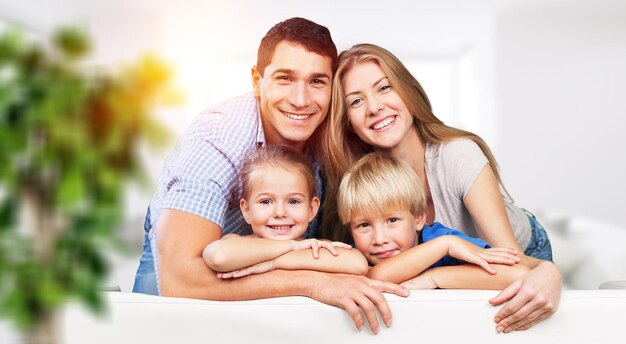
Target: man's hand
(533, 298)
(358, 294)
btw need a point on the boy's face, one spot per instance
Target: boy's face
(381, 237)
(293, 93)
(279, 206)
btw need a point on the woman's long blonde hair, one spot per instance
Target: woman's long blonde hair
(340, 146)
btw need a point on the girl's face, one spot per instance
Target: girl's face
(279, 205)
(381, 237)
(375, 111)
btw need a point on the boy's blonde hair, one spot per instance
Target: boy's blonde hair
(378, 183)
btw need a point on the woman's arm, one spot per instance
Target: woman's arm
(467, 277)
(533, 297)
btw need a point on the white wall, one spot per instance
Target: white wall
(560, 85)
(540, 80)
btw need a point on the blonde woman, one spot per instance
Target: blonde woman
(379, 106)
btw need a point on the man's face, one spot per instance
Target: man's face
(293, 93)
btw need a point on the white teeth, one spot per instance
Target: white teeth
(296, 117)
(281, 228)
(383, 124)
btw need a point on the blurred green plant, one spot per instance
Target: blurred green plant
(68, 148)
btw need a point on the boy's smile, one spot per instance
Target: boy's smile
(386, 235)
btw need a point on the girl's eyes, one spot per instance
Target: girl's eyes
(265, 201)
(294, 201)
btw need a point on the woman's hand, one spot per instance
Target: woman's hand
(532, 298)
(468, 252)
(315, 246)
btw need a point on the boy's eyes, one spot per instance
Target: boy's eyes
(363, 226)
(392, 219)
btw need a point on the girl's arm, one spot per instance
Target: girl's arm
(467, 277)
(536, 295)
(349, 261)
(233, 252)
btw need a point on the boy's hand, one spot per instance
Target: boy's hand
(258, 268)
(468, 252)
(315, 246)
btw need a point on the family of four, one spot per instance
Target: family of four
(344, 148)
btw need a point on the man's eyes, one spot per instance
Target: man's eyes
(319, 82)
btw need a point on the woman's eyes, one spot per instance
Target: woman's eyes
(384, 88)
(356, 102)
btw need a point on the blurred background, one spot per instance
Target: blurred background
(540, 81)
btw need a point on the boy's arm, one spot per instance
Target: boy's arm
(411, 262)
(234, 252)
(467, 277)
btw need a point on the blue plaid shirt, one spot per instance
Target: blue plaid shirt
(200, 175)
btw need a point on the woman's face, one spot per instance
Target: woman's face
(375, 111)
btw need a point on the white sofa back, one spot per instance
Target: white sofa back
(459, 316)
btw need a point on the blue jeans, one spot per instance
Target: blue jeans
(145, 278)
(539, 246)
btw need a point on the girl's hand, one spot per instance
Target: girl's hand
(468, 252)
(258, 268)
(315, 246)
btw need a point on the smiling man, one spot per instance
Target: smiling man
(198, 191)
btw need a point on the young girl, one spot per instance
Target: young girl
(377, 105)
(278, 202)
(383, 202)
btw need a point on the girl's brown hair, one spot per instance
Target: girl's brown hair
(276, 156)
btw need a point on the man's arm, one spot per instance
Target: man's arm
(181, 238)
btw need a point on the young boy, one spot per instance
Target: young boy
(279, 200)
(383, 202)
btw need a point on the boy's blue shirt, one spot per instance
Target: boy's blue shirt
(436, 230)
